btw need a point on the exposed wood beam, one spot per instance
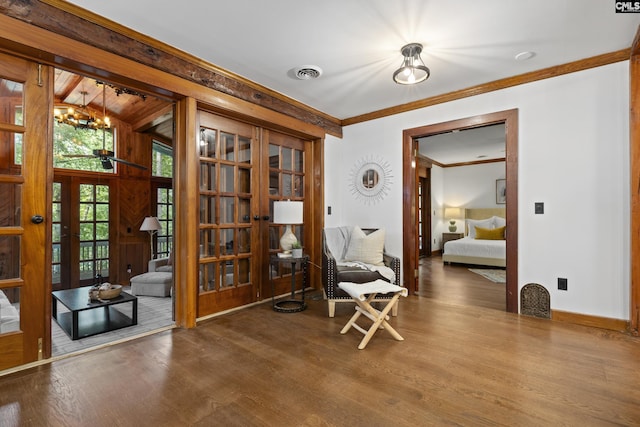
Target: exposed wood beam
(78, 24)
(20, 38)
(153, 120)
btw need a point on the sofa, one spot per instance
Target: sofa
(157, 282)
(164, 265)
(352, 254)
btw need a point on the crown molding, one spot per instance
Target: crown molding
(546, 73)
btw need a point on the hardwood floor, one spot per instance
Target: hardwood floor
(455, 284)
(457, 366)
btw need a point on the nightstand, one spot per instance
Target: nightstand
(446, 237)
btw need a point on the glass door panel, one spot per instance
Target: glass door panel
(24, 274)
(11, 231)
(243, 170)
(93, 217)
(164, 213)
(286, 181)
(228, 201)
(56, 236)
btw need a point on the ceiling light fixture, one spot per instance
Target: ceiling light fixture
(412, 69)
(81, 116)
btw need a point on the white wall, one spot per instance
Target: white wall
(472, 186)
(573, 156)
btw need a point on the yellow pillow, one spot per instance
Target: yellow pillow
(490, 233)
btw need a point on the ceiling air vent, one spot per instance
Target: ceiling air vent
(307, 72)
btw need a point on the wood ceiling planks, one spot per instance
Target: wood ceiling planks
(125, 107)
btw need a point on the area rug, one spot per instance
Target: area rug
(497, 276)
(154, 313)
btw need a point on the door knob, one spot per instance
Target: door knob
(37, 219)
(256, 217)
(266, 217)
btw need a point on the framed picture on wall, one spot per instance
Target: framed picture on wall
(501, 191)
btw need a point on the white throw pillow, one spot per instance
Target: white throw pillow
(366, 248)
(499, 222)
(483, 223)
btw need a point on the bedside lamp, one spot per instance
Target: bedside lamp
(151, 225)
(288, 213)
(453, 214)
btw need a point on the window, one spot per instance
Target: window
(162, 160)
(164, 207)
(73, 147)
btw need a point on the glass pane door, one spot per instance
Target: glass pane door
(228, 201)
(80, 232)
(93, 214)
(286, 181)
(24, 279)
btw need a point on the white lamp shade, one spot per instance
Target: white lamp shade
(150, 223)
(287, 212)
(453, 213)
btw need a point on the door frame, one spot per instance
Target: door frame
(634, 155)
(409, 202)
(427, 234)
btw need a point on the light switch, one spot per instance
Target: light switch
(539, 208)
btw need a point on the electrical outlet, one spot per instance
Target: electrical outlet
(539, 208)
(562, 284)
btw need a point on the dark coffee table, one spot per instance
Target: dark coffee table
(86, 318)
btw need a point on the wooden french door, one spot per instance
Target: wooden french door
(283, 170)
(81, 232)
(25, 98)
(229, 202)
(243, 170)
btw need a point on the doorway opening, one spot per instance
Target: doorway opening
(106, 180)
(411, 201)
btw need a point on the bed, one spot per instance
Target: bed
(470, 250)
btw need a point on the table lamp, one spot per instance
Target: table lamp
(288, 213)
(151, 225)
(453, 214)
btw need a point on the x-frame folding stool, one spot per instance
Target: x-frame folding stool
(363, 294)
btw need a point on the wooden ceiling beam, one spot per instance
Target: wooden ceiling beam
(154, 119)
(78, 24)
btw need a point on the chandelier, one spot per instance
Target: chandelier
(81, 116)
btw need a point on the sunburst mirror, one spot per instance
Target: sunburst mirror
(370, 179)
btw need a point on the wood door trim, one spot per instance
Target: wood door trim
(634, 154)
(409, 210)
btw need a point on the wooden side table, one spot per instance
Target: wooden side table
(447, 237)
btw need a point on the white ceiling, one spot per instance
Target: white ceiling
(469, 145)
(357, 43)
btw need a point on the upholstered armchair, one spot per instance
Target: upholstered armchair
(350, 254)
(161, 264)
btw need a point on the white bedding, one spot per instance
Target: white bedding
(477, 248)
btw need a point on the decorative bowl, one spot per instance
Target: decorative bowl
(110, 293)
